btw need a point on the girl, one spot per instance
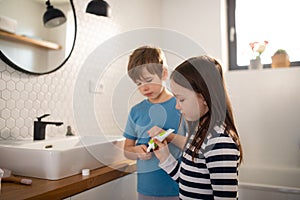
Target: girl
(209, 164)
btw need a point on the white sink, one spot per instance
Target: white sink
(54, 159)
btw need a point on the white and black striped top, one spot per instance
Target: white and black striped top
(212, 174)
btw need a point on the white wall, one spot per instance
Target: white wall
(267, 108)
(201, 20)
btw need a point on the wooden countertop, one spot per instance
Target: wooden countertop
(66, 187)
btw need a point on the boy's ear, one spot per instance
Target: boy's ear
(164, 74)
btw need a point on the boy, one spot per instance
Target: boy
(147, 68)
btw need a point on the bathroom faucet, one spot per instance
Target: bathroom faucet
(39, 128)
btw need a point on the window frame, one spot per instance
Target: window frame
(232, 40)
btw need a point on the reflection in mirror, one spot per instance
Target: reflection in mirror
(26, 44)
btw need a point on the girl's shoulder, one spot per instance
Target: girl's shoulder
(219, 138)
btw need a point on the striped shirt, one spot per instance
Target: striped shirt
(212, 174)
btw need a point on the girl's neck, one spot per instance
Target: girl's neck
(164, 96)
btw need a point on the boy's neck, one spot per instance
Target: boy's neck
(164, 96)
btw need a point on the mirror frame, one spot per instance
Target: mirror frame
(19, 68)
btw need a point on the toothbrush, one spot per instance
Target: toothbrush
(8, 177)
(160, 137)
(14, 179)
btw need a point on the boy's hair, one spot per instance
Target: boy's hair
(151, 58)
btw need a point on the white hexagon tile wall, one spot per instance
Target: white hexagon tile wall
(24, 97)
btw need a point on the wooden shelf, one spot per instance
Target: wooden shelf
(23, 39)
(66, 187)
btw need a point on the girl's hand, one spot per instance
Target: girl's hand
(142, 153)
(155, 130)
(162, 152)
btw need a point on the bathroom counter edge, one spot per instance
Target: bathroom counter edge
(66, 187)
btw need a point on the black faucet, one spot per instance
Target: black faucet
(39, 128)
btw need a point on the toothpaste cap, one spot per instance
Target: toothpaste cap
(85, 172)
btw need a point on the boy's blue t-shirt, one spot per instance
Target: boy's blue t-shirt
(152, 180)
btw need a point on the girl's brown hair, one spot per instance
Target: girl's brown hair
(204, 76)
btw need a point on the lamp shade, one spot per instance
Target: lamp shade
(98, 7)
(53, 17)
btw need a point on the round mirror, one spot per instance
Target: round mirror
(30, 46)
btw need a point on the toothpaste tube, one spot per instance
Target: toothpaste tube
(160, 137)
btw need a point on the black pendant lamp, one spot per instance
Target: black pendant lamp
(53, 17)
(98, 7)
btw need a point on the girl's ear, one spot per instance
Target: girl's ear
(164, 74)
(202, 98)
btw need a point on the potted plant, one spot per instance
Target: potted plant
(280, 59)
(257, 49)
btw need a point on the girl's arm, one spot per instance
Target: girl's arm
(133, 152)
(167, 161)
(222, 163)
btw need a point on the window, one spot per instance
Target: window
(275, 21)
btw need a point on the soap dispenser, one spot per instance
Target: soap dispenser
(69, 131)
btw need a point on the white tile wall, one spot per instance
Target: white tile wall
(24, 97)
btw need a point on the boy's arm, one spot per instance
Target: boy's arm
(176, 139)
(133, 152)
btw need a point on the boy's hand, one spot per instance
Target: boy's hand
(142, 153)
(155, 130)
(162, 152)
